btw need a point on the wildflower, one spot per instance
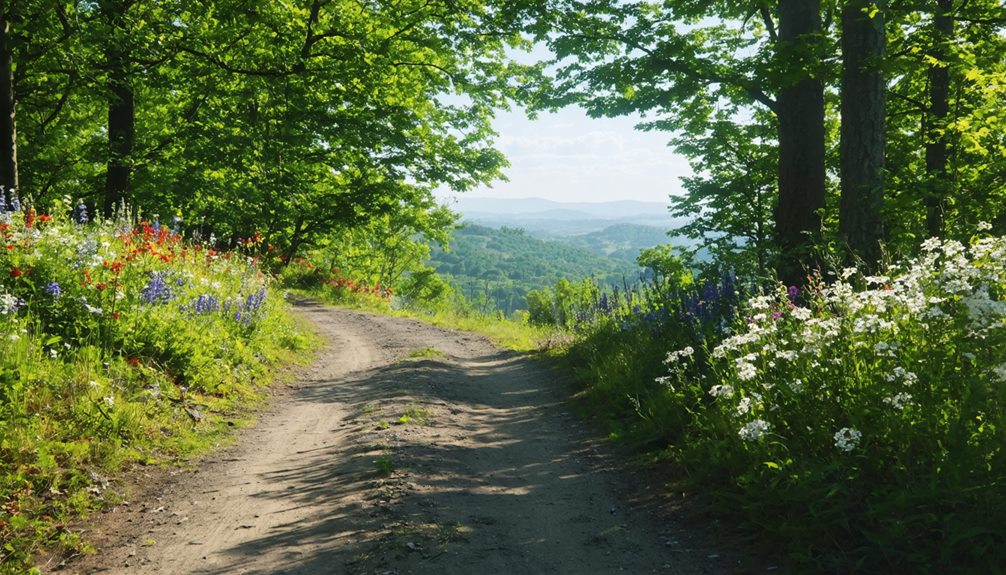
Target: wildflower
(754, 430)
(984, 226)
(9, 304)
(725, 391)
(745, 370)
(899, 401)
(53, 290)
(109, 401)
(157, 289)
(205, 304)
(903, 375)
(847, 439)
(678, 355)
(744, 406)
(666, 381)
(80, 213)
(801, 313)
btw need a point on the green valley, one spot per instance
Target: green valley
(494, 268)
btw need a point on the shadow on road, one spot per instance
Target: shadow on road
(496, 477)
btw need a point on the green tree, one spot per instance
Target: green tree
(728, 204)
(683, 61)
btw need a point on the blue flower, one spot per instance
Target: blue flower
(205, 304)
(157, 289)
(80, 213)
(53, 289)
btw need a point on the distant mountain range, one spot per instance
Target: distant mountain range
(551, 219)
(510, 246)
(539, 208)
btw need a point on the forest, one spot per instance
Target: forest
(824, 364)
(500, 266)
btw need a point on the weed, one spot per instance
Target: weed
(426, 352)
(384, 465)
(416, 414)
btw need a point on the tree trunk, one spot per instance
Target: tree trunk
(937, 183)
(121, 109)
(800, 111)
(8, 126)
(861, 224)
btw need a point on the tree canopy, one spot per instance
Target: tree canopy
(292, 119)
(873, 115)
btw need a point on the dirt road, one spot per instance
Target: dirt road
(405, 449)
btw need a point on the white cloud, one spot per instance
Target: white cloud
(570, 157)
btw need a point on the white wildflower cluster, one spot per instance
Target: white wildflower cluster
(891, 339)
(847, 439)
(754, 430)
(679, 355)
(902, 375)
(724, 391)
(8, 304)
(899, 400)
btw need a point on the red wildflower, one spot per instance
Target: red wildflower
(16, 272)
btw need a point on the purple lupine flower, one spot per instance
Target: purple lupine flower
(253, 303)
(53, 289)
(157, 289)
(206, 304)
(80, 213)
(176, 225)
(793, 293)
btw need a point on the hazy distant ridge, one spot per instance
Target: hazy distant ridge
(539, 208)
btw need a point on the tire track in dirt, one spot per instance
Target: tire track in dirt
(489, 473)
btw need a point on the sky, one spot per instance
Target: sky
(569, 157)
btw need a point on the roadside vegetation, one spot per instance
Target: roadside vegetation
(120, 344)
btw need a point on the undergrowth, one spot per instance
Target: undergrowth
(119, 344)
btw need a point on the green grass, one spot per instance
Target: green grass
(416, 414)
(425, 353)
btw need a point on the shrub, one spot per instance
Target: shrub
(863, 423)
